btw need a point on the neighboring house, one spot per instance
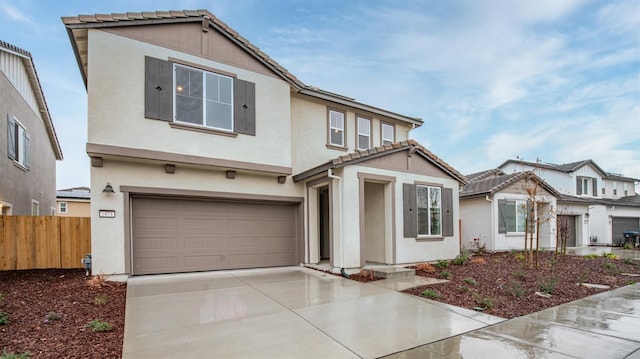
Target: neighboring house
(600, 205)
(74, 202)
(220, 158)
(28, 167)
(494, 207)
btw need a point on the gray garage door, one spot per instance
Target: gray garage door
(621, 225)
(176, 235)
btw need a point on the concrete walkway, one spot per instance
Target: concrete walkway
(606, 325)
(289, 312)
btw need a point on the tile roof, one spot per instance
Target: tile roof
(629, 201)
(361, 156)
(77, 27)
(491, 185)
(477, 176)
(34, 81)
(571, 167)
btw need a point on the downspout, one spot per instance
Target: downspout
(332, 176)
(493, 225)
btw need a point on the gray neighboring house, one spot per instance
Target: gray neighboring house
(28, 140)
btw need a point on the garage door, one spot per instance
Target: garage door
(621, 225)
(176, 235)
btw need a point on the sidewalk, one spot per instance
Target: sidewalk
(606, 325)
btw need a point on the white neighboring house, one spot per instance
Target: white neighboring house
(219, 158)
(602, 205)
(494, 207)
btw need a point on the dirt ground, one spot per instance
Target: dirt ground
(497, 283)
(49, 311)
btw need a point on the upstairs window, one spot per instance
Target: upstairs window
(203, 98)
(624, 188)
(17, 142)
(336, 128)
(388, 134)
(615, 188)
(63, 207)
(587, 186)
(35, 208)
(364, 133)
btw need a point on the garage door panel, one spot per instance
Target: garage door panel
(621, 225)
(177, 235)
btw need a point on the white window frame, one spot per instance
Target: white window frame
(204, 98)
(337, 128)
(615, 188)
(586, 185)
(625, 189)
(386, 140)
(66, 207)
(360, 121)
(520, 207)
(429, 224)
(35, 205)
(21, 150)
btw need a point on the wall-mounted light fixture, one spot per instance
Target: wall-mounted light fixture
(108, 188)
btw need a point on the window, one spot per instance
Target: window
(604, 191)
(186, 96)
(429, 211)
(586, 186)
(63, 207)
(388, 134)
(17, 142)
(336, 128)
(203, 98)
(615, 188)
(512, 216)
(35, 208)
(364, 133)
(624, 188)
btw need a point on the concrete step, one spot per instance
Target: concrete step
(392, 272)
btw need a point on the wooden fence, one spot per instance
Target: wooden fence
(34, 242)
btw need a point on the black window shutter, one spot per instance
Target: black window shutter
(410, 212)
(158, 89)
(502, 208)
(595, 187)
(579, 186)
(11, 138)
(27, 154)
(447, 212)
(244, 107)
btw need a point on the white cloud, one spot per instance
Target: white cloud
(17, 15)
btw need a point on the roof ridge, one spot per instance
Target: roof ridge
(15, 48)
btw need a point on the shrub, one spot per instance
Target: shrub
(426, 267)
(548, 285)
(625, 261)
(444, 274)
(610, 255)
(6, 355)
(470, 281)
(584, 277)
(482, 301)
(628, 246)
(463, 289)
(429, 293)
(98, 281)
(610, 267)
(101, 299)
(520, 257)
(442, 264)
(519, 274)
(515, 289)
(4, 319)
(98, 325)
(1, 298)
(591, 256)
(460, 259)
(480, 261)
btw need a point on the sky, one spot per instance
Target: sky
(557, 81)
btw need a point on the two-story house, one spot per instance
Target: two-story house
(28, 167)
(598, 205)
(213, 156)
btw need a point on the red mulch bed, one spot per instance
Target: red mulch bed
(364, 276)
(502, 281)
(29, 296)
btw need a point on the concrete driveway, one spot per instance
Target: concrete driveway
(291, 312)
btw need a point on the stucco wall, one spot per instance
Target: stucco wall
(475, 215)
(116, 107)
(17, 185)
(75, 208)
(309, 129)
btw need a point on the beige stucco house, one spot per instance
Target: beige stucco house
(74, 202)
(28, 138)
(220, 158)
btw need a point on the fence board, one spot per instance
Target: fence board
(31, 242)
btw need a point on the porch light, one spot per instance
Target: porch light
(108, 188)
